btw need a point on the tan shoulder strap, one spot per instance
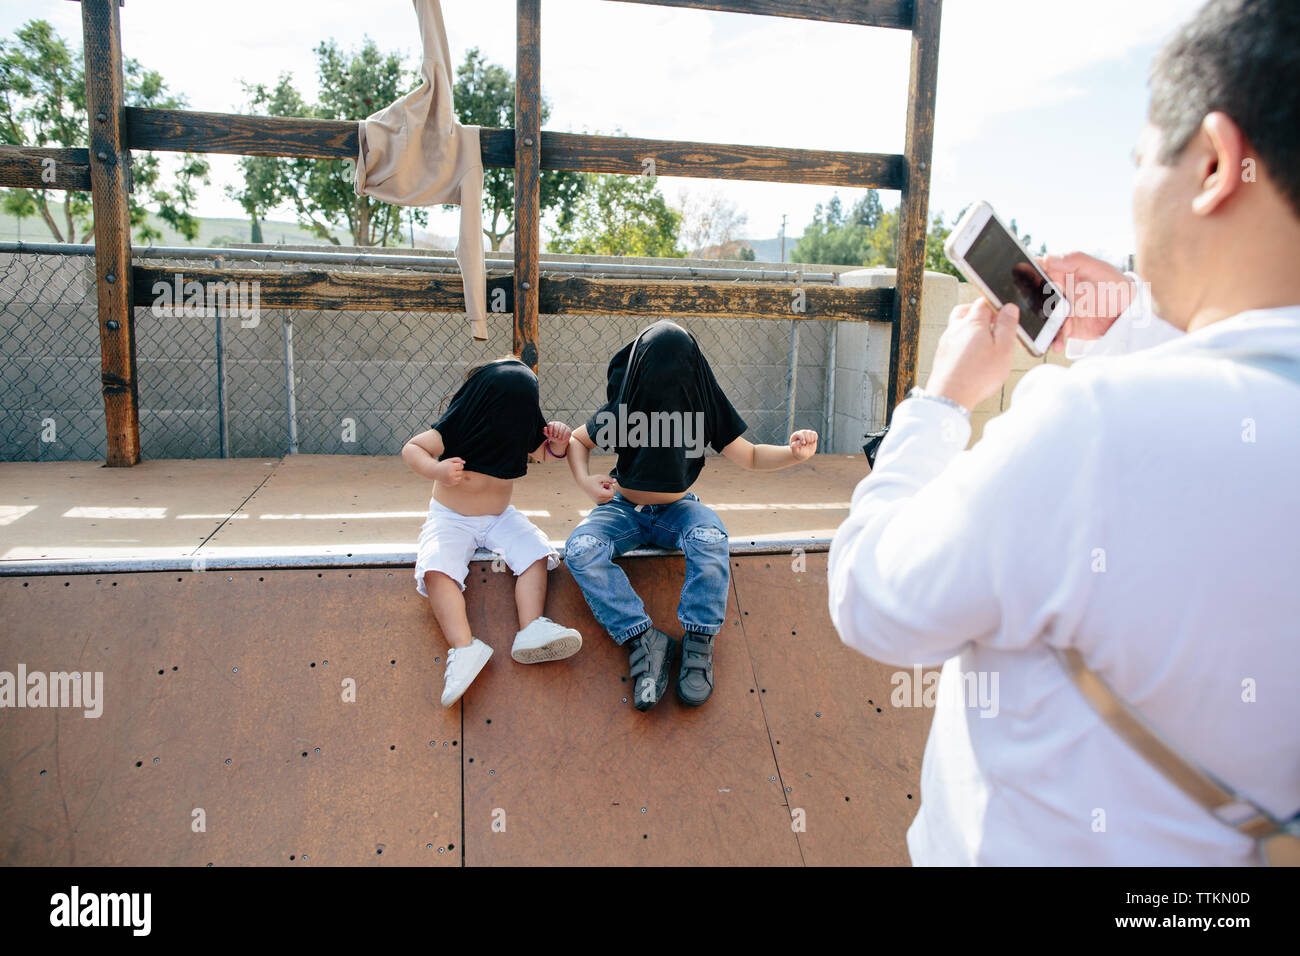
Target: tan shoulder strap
(1227, 806)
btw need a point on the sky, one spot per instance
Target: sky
(1039, 101)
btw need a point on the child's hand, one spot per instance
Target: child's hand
(453, 471)
(599, 488)
(558, 433)
(803, 444)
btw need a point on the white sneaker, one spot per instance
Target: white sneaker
(463, 665)
(544, 640)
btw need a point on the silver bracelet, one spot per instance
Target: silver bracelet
(919, 392)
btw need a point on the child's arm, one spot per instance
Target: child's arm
(421, 456)
(599, 488)
(746, 454)
(557, 436)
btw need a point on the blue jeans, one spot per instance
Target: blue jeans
(617, 527)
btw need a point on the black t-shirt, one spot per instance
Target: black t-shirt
(494, 421)
(662, 407)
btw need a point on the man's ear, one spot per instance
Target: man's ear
(1221, 172)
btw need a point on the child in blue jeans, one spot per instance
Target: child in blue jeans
(663, 406)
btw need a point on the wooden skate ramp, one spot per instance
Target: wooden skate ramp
(218, 682)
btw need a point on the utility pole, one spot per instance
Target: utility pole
(783, 217)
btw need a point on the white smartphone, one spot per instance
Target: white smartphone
(996, 263)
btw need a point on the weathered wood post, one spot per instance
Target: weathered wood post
(528, 162)
(915, 202)
(110, 162)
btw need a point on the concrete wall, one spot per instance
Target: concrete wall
(862, 356)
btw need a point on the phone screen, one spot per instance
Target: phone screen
(1000, 262)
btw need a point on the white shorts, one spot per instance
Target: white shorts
(449, 539)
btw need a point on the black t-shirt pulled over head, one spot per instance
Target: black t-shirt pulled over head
(662, 407)
(494, 421)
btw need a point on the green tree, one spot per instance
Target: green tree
(266, 177)
(883, 245)
(43, 103)
(837, 238)
(868, 236)
(321, 192)
(485, 96)
(868, 210)
(936, 260)
(619, 216)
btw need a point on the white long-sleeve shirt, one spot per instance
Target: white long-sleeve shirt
(1144, 508)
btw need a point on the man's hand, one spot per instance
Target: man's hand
(974, 355)
(558, 433)
(803, 444)
(451, 471)
(599, 488)
(1096, 290)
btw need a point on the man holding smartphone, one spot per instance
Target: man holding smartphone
(1142, 509)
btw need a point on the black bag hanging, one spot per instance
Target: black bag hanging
(873, 445)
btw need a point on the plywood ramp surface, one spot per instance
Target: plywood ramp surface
(219, 699)
(578, 775)
(218, 683)
(851, 760)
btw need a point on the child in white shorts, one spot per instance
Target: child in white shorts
(449, 539)
(473, 454)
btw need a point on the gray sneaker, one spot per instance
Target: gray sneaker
(695, 680)
(651, 659)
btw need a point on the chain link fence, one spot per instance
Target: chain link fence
(339, 382)
(51, 407)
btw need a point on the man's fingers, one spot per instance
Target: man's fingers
(1005, 324)
(981, 312)
(1067, 262)
(1058, 267)
(959, 313)
(1056, 274)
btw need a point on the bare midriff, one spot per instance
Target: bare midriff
(650, 497)
(476, 494)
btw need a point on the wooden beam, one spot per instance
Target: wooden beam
(913, 210)
(628, 155)
(110, 161)
(528, 183)
(317, 289)
(186, 131)
(405, 292)
(872, 13)
(183, 131)
(30, 167)
(579, 295)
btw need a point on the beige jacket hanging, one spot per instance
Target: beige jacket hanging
(416, 153)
